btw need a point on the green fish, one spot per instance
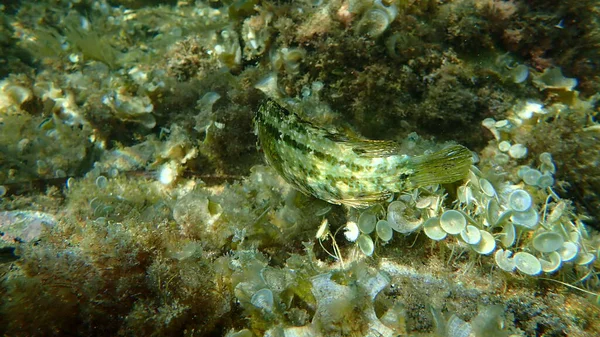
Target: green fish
(348, 170)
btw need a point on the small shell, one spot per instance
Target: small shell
(433, 230)
(471, 235)
(545, 180)
(528, 219)
(487, 188)
(424, 202)
(520, 74)
(397, 218)
(366, 222)
(453, 222)
(551, 264)
(531, 177)
(351, 231)
(548, 242)
(384, 231)
(509, 235)
(520, 200)
(263, 299)
(486, 245)
(465, 195)
(585, 259)
(568, 251)
(101, 182)
(365, 243)
(504, 146)
(546, 158)
(504, 261)
(527, 263)
(458, 328)
(557, 212)
(517, 151)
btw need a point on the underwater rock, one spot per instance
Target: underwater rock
(24, 226)
(552, 78)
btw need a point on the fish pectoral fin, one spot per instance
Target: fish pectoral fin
(374, 148)
(367, 200)
(335, 136)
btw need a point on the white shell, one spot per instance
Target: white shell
(453, 222)
(492, 212)
(433, 230)
(366, 222)
(465, 195)
(365, 243)
(557, 212)
(424, 202)
(568, 251)
(552, 263)
(374, 22)
(509, 235)
(504, 146)
(384, 231)
(522, 170)
(585, 259)
(501, 159)
(528, 219)
(531, 177)
(456, 327)
(527, 263)
(396, 217)
(545, 180)
(517, 151)
(547, 242)
(487, 187)
(519, 200)
(546, 158)
(101, 182)
(486, 245)
(504, 261)
(351, 231)
(263, 299)
(519, 75)
(471, 235)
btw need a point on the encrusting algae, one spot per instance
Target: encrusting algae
(348, 170)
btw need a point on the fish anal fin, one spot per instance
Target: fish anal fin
(364, 201)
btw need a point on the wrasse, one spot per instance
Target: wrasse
(347, 170)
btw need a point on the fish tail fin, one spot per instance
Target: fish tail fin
(445, 166)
